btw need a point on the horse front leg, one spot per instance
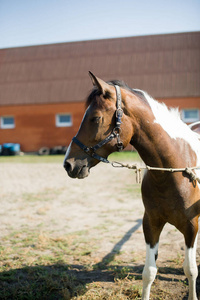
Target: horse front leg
(190, 265)
(149, 271)
(152, 230)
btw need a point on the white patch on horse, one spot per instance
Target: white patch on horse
(67, 153)
(69, 148)
(170, 120)
(190, 269)
(150, 270)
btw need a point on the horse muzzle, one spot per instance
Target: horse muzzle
(76, 163)
(76, 170)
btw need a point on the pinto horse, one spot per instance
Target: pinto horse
(117, 115)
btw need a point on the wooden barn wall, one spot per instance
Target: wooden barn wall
(182, 103)
(35, 125)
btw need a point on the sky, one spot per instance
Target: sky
(36, 22)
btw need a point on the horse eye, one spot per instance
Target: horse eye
(95, 119)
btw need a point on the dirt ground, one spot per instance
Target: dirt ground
(105, 209)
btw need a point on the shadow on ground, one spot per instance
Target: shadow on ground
(61, 281)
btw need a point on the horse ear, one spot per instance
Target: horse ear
(100, 84)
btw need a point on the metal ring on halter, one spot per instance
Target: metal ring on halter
(117, 130)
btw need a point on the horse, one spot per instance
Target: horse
(117, 115)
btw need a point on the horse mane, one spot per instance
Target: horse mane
(170, 120)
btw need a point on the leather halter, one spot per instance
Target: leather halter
(91, 151)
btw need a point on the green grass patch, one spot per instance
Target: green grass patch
(29, 247)
(60, 282)
(37, 265)
(32, 159)
(120, 156)
(39, 282)
(125, 156)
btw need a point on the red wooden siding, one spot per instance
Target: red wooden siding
(35, 125)
(182, 103)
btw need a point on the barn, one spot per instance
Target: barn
(43, 88)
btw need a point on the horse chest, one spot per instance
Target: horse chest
(168, 198)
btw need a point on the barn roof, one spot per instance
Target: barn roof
(164, 65)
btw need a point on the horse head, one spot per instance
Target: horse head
(99, 135)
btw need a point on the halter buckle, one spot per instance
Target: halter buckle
(119, 114)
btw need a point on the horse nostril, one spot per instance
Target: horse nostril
(67, 166)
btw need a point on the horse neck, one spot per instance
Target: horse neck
(152, 142)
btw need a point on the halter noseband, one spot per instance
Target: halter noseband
(114, 134)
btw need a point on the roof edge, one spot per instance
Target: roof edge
(102, 39)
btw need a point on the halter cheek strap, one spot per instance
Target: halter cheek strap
(119, 111)
(115, 133)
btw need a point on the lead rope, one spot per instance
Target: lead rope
(138, 170)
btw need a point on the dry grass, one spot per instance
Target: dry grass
(38, 265)
(43, 257)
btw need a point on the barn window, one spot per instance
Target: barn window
(190, 115)
(7, 122)
(63, 120)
